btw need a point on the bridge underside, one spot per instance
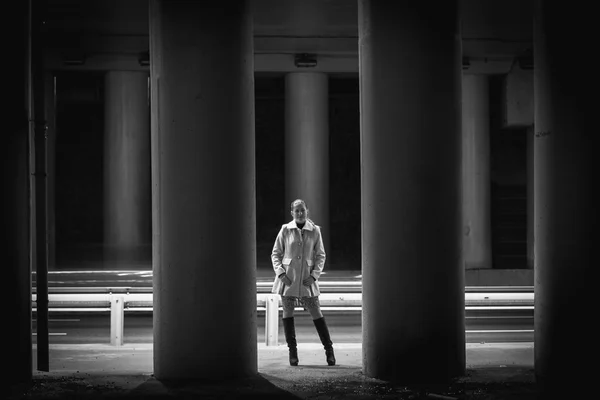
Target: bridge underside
(185, 71)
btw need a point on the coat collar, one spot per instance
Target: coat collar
(309, 226)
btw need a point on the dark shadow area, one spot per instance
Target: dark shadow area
(486, 383)
(269, 116)
(508, 179)
(79, 169)
(78, 387)
(344, 174)
(255, 387)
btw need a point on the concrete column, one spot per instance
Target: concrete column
(15, 211)
(203, 188)
(307, 145)
(16, 230)
(413, 274)
(477, 231)
(127, 195)
(566, 203)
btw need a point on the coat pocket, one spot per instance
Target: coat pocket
(278, 286)
(310, 263)
(286, 261)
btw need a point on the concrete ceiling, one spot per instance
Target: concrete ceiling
(110, 32)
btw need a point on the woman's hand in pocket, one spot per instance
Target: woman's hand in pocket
(284, 278)
(309, 280)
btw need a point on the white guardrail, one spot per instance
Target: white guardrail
(132, 299)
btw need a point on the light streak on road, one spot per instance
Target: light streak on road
(502, 317)
(501, 331)
(65, 320)
(53, 334)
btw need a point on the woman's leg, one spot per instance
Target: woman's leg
(289, 303)
(314, 308)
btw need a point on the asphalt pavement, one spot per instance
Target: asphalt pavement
(345, 327)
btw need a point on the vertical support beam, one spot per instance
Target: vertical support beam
(566, 199)
(413, 274)
(127, 195)
(477, 225)
(117, 319)
(272, 320)
(307, 145)
(15, 212)
(203, 189)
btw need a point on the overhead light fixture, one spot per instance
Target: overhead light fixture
(305, 60)
(144, 59)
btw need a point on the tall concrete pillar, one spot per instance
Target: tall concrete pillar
(413, 274)
(566, 203)
(307, 145)
(127, 194)
(477, 231)
(203, 188)
(15, 211)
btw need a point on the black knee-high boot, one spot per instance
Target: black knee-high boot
(323, 332)
(290, 337)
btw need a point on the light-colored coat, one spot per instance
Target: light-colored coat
(298, 254)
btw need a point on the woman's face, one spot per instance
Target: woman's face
(299, 213)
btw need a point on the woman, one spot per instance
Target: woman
(298, 258)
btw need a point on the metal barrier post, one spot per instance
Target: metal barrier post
(117, 317)
(272, 320)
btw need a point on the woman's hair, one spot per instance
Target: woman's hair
(297, 202)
